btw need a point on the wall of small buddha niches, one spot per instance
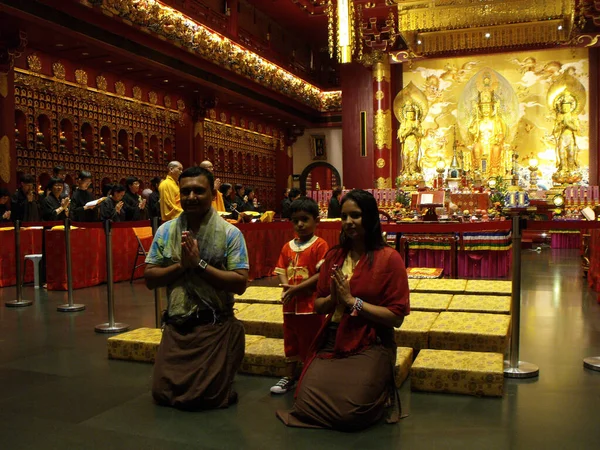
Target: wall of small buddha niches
(82, 128)
(243, 151)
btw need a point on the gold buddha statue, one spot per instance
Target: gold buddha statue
(488, 130)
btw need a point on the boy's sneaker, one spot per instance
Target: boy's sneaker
(284, 385)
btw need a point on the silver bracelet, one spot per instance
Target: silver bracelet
(357, 307)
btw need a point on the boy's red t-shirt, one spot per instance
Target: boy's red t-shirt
(299, 261)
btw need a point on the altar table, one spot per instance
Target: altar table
(476, 257)
(565, 239)
(31, 243)
(88, 257)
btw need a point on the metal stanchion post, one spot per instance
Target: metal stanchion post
(69, 306)
(515, 368)
(157, 291)
(592, 363)
(111, 326)
(19, 301)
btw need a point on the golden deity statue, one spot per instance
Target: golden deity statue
(488, 130)
(410, 108)
(410, 135)
(567, 98)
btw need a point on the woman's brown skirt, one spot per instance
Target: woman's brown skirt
(346, 394)
(194, 369)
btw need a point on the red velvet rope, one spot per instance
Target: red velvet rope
(54, 223)
(138, 224)
(88, 224)
(562, 225)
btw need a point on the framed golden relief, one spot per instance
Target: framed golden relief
(318, 147)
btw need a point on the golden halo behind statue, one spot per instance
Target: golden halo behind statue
(411, 97)
(565, 86)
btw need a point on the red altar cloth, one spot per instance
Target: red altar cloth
(594, 252)
(265, 240)
(88, 253)
(565, 240)
(31, 243)
(484, 264)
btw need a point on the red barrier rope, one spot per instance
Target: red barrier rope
(561, 225)
(54, 223)
(137, 224)
(432, 227)
(87, 225)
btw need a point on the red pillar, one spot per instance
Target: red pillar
(198, 142)
(284, 168)
(594, 105)
(358, 98)
(233, 18)
(382, 123)
(184, 148)
(8, 152)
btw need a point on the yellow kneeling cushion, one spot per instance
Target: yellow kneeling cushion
(492, 304)
(260, 294)
(404, 359)
(470, 332)
(414, 330)
(137, 345)
(446, 285)
(489, 287)
(265, 357)
(264, 320)
(471, 373)
(412, 284)
(421, 301)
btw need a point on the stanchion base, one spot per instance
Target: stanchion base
(107, 328)
(592, 363)
(18, 303)
(523, 370)
(70, 308)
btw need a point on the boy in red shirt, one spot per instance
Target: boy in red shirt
(298, 271)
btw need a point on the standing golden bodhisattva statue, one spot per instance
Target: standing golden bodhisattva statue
(567, 99)
(410, 134)
(410, 107)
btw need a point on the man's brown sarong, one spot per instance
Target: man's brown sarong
(346, 394)
(194, 367)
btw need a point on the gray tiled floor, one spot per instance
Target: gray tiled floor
(58, 389)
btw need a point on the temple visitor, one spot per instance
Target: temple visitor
(81, 196)
(135, 205)
(60, 172)
(113, 207)
(285, 204)
(250, 201)
(203, 261)
(218, 202)
(240, 192)
(54, 205)
(298, 271)
(154, 199)
(334, 211)
(24, 204)
(348, 379)
(168, 191)
(4, 205)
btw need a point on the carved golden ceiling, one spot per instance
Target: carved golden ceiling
(440, 26)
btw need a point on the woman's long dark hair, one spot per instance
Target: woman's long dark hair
(370, 223)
